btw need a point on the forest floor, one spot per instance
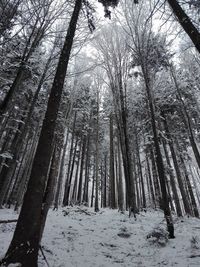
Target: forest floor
(79, 237)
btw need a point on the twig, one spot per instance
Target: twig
(84, 211)
(45, 259)
(8, 221)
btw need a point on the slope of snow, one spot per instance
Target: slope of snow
(78, 237)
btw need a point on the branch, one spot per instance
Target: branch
(7, 221)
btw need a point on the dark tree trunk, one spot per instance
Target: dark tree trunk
(159, 160)
(173, 183)
(140, 173)
(112, 171)
(25, 243)
(61, 174)
(67, 184)
(155, 179)
(105, 183)
(74, 194)
(150, 181)
(186, 23)
(186, 119)
(69, 181)
(96, 204)
(191, 193)
(87, 171)
(93, 182)
(177, 170)
(120, 187)
(80, 185)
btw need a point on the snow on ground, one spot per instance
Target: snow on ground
(78, 237)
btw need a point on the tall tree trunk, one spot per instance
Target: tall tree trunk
(93, 182)
(155, 179)
(74, 194)
(69, 182)
(140, 172)
(186, 23)
(177, 169)
(150, 181)
(80, 185)
(120, 187)
(186, 118)
(87, 171)
(105, 182)
(159, 160)
(65, 200)
(172, 181)
(61, 174)
(25, 243)
(96, 204)
(191, 193)
(112, 171)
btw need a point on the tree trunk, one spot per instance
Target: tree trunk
(69, 181)
(24, 246)
(112, 171)
(93, 182)
(177, 170)
(66, 196)
(87, 170)
(120, 187)
(159, 160)
(80, 185)
(105, 183)
(191, 193)
(96, 204)
(150, 181)
(74, 194)
(155, 179)
(172, 181)
(140, 173)
(186, 23)
(61, 175)
(186, 119)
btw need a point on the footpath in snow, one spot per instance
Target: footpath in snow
(78, 237)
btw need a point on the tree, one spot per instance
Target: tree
(24, 246)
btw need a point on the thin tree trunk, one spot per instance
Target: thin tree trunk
(68, 184)
(96, 205)
(159, 160)
(155, 179)
(79, 197)
(66, 196)
(150, 181)
(173, 183)
(120, 187)
(176, 166)
(93, 182)
(74, 194)
(112, 171)
(141, 174)
(191, 193)
(105, 183)
(61, 175)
